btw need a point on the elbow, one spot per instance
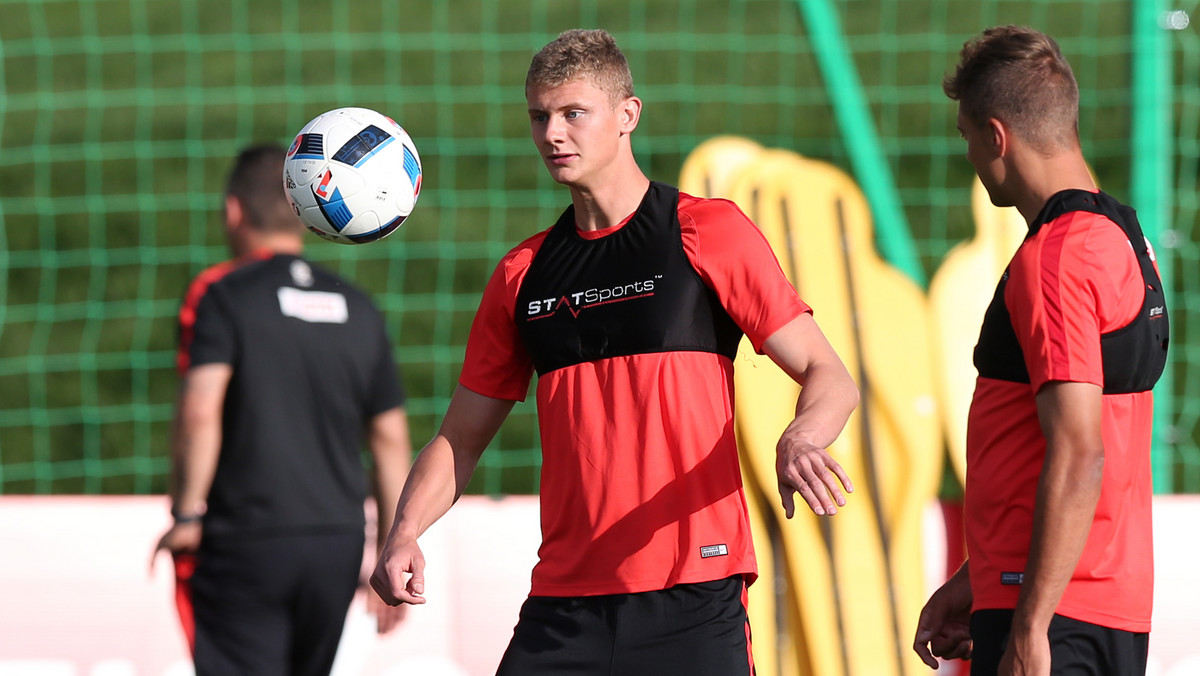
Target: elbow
(1094, 469)
(199, 418)
(855, 396)
(850, 395)
(1086, 468)
(1089, 459)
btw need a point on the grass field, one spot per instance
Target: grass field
(118, 120)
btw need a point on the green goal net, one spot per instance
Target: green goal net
(119, 119)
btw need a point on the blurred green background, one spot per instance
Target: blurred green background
(119, 120)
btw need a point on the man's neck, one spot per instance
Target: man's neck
(611, 201)
(273, 242)
(1044, 177)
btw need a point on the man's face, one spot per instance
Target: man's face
(576, 128)
(982, 154)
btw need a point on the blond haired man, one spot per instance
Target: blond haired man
(630, 309)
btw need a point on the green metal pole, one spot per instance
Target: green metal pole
(1150, 191)
(858, 131)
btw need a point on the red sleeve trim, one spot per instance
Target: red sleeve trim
(195, 293)
(187, 313)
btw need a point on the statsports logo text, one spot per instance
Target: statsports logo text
(577, 301)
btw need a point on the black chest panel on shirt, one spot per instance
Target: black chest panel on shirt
(1134, 355)
(631, 292)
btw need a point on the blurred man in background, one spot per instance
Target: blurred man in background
(630, 309)
(286, 370)
(1059, 576)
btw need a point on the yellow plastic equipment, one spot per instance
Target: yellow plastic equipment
(959, 294)
(852, 585)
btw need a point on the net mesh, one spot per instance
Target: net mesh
(119, 119)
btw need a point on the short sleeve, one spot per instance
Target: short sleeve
(214, 336)
(735, 260)
(387, 387)
(1054, 296)
(496, 363)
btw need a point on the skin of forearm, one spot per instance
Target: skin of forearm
(826, 400)
(197, 449)
(1068, 491)
(442, 469)
(437, 479)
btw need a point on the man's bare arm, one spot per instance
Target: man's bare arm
(827, 398)
(438, 477)
(1067, 494)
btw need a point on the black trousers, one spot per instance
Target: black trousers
(273, 605)
(696, 629)
(1076, 648)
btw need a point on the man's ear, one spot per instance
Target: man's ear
(234, 214)
(630, 112)
(999, 137)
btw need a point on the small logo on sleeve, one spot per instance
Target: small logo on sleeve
(1012, 578)
(710, 551)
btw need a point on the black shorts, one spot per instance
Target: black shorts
(1076, 648)
(273, 606)
(697, 629)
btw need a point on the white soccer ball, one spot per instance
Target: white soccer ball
(352, 175)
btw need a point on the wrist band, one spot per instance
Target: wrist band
(185, 518)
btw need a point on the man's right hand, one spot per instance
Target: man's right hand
(399, 575)
(181, 538)
(944, 629)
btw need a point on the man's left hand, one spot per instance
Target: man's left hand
(810, 471)
(1026, 656)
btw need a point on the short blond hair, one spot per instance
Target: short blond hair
(582, 54)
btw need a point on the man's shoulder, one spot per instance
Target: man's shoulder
(1082, 239)
(202, 282)
(703, 210)
(232, 271)
(521, 255)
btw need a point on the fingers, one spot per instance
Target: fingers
(818, 499)
(925, 623)
(833, 477)
(936, 637)
(841, 476)
(923, 652)
(952, 642)
(921, 647)
(817, 477)
(388, 580)
(953, 649)
(921, 640)
(403, 593)
(416, 584)
(820, 491)
(789, 501)
(787, 493)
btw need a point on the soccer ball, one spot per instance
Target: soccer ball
(352, 175)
